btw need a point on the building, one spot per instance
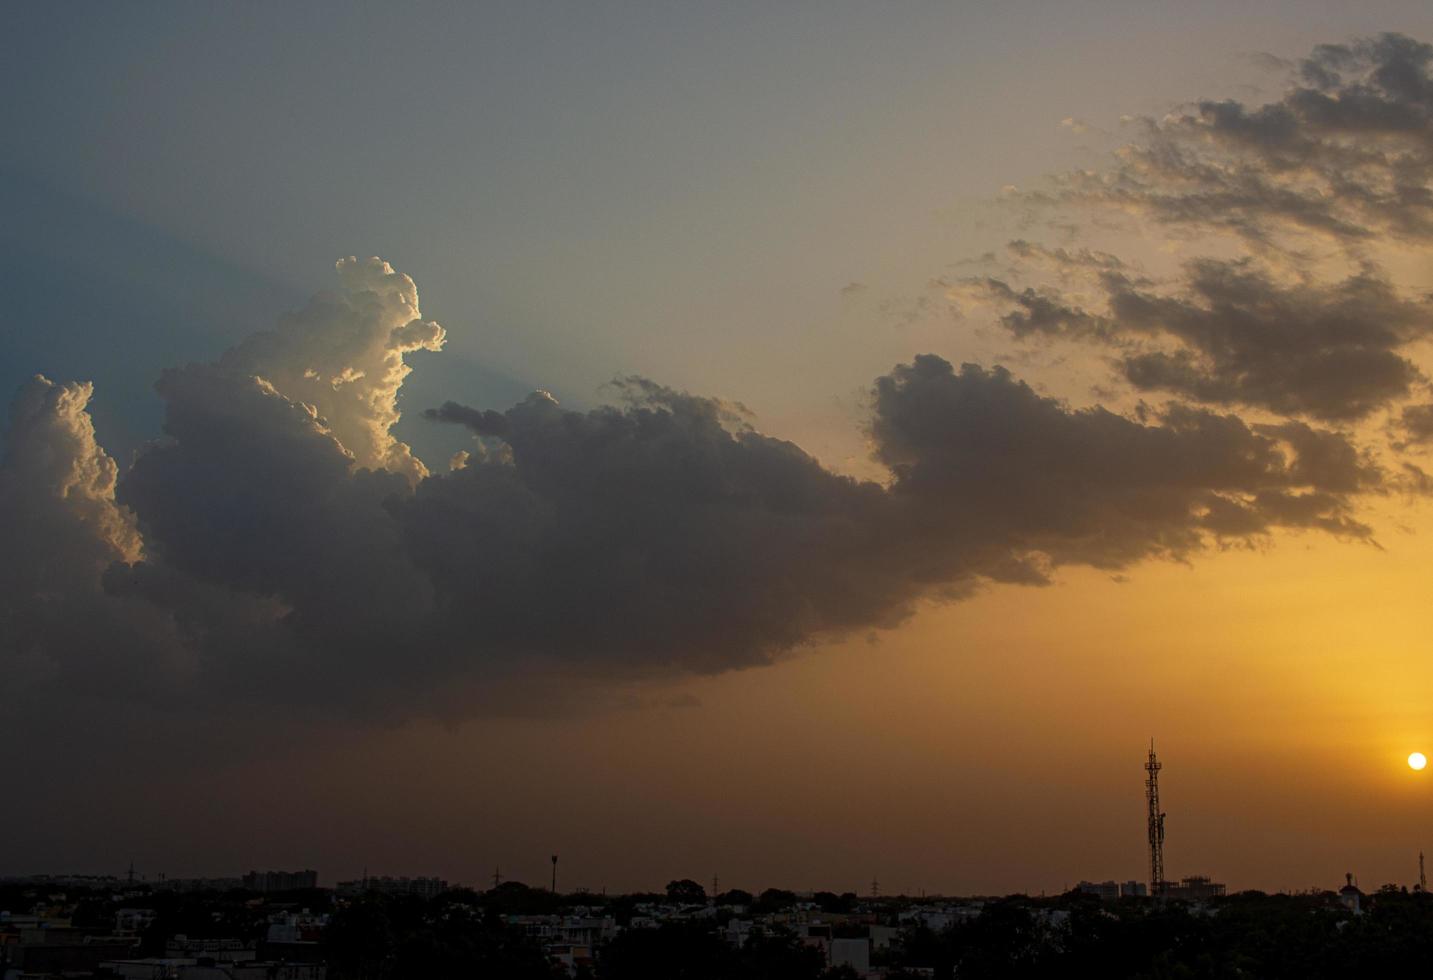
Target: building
(219, 950)
(1350, 897)
(422, 887)
(1134, 889)
(131, 922)
(280, 881)
(67, 957)
(1105, 891)
(855, 953)
(186, 885)
(1195, 888)
(187, 968)
(570, 957)
(296, 927)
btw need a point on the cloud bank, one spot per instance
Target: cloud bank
(281, 545)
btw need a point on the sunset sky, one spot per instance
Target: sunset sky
(800, 443)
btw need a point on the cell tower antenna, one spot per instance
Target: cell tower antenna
(875, 888)
(497, 877)
(1156, 824)
(554, 874)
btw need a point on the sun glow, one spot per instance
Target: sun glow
(1417, 760)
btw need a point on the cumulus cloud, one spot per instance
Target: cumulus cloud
(59, 478)
(665, 536)
(64, 537)
(343, 355)
(981, 455)
(281, 545)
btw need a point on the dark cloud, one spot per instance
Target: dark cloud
(252, 557)
(1346, 154)
(985, 457)
(1343, 158)
(1228, 333)
(652, 534)
(1330, 351)
(1044, 313)
(483, 423)
(1415, 426)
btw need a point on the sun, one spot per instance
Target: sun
(1417, 760)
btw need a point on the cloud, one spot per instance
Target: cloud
(344, 355)
(649, 535)
(1229, 333)
(667, 537)
(980, 456)
(281, 547)
(483, 423)
(57, 475)
(61, 634)
(1415, 427)
(1345, 155)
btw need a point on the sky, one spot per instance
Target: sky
(803, 444)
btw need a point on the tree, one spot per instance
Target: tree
(686, 892)
(775, 899)
(674, 951)
(831, 902)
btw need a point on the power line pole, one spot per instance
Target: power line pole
(1422, 878)
(554, 874)
(1156, 824)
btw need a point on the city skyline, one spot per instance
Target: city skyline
(799, 444)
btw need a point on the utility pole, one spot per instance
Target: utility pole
(554, 874)
(1156, 824)
(1422, 878)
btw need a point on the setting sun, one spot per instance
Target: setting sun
(1417, 760)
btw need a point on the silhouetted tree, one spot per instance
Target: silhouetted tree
(774, 899)
(831, 902)
(686, 891)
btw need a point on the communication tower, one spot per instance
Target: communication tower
(1156, 824)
